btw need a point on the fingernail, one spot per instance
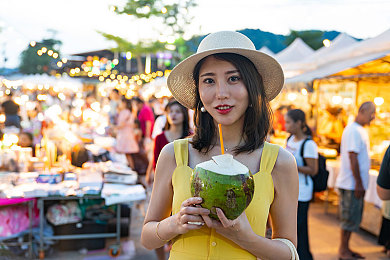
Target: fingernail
(199, 199)
(206, 211)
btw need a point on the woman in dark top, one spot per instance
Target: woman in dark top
(176, 127)
(383, 181)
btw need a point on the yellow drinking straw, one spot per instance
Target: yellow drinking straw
(221, 139)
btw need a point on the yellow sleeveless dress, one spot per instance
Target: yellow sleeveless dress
(206, 243)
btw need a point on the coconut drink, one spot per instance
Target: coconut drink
(223, 183)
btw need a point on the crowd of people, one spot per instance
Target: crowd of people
(228, 82)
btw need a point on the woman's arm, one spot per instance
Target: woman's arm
(384, 194)
(160, 206)
(283, 216)
(311, 167)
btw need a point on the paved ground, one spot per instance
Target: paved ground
(323, 228)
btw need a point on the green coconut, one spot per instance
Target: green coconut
(223, 183)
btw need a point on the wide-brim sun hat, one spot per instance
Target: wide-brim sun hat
(181, 82)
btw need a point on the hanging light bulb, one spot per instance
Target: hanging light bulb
(379, 101)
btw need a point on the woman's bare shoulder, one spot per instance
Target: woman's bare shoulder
(285, 165)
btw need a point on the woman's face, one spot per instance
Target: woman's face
(291, 126)
(175, 115)
(122, 105)
(222, 91)
(24, 141)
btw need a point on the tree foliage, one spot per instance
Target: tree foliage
(32, 63)
(313, 38)
(173, 16)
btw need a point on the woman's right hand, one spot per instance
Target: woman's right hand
(189, 217)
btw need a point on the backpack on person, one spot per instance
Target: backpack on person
(320, 180)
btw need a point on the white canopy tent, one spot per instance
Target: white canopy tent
(340, 42)
(348, 57)
(311, 62)
(296, 51)
(335, 67)
(378, 44)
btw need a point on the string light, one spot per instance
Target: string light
(379, 101)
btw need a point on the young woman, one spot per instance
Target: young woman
(307, 166)
(176, 127)
(125, 139)
(226, 82)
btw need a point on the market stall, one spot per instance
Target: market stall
(359, 74)
(70, 170)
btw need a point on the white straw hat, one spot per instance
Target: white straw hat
(181, 82)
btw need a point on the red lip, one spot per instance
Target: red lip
(223, 109)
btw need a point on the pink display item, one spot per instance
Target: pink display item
(6, 202)
(14, 217)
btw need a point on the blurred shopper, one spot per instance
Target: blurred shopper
(176, 127)
(115, 99)
(11, 111)
(35, 124)
(145, 117)
(352, 180)
(26, 140)
(279, 122)
(307, 167)
(158, 105)
(383, 188)
(159, 126)
(125, 139)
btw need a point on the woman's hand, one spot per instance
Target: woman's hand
(232, 229)
(190, 215)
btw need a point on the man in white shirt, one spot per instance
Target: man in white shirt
(352, 179)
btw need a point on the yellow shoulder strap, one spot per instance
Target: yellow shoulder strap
(268, 157)
(181, 151)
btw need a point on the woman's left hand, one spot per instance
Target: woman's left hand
(231, 229)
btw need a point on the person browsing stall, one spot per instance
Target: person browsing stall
(307, 166)
(353, 177)
(226, 82)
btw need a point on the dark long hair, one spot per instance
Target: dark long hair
(184, 111)
(298, 115)
(258, 115)
(128, 103)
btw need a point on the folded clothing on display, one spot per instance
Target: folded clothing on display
(121, 193)
(119, 173)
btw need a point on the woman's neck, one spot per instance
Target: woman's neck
(299, 136)
(174, 132)
(232, 137)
